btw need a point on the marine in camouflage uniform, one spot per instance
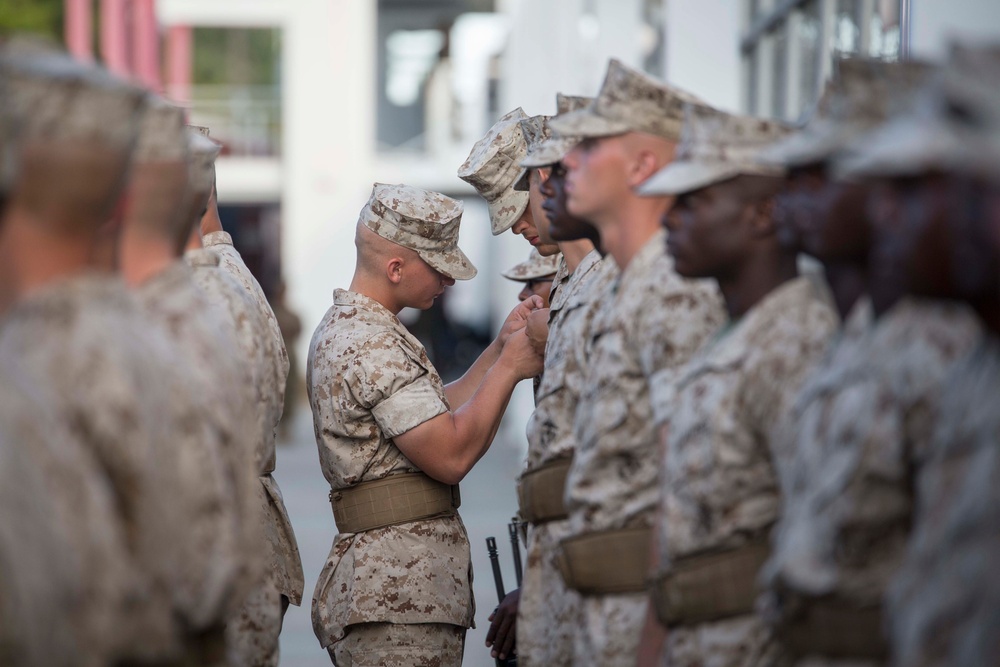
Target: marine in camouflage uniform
(78, 327)
(395, 592)
(943, 606)
(547, 610)
(650, 319)
(719, 489)
(861, 428)
(214, 409)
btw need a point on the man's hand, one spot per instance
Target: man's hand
(538, 330)
(518, 317)
(652, 640)
(502, 635)
(520, 357)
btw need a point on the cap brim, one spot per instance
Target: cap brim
(523, 183)
(452, 264)
(506, 210)
(810, 146)
(678, 178)
(904, 147)
(549, 152)
(585, 124)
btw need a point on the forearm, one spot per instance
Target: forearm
(461, 390)
(478, 419)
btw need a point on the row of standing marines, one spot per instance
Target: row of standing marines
(739, 456)
(143, 375)
(731, 462)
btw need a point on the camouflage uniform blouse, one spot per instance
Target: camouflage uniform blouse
(550, 429)
(65, 573)
(719, 488)
(88, 344)
(369, 380)
(651, 319)
(217, 465)
(944, 603)
(857, 430)
(228, 283)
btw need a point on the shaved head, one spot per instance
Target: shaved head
(374, 252)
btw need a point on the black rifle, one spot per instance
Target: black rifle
(514, 528)
(491, 549)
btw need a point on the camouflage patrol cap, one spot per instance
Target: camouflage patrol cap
(159, 183)
(493, 166)
(203, 153)
(54, 98)
(554, 147)
(952, 126)
(629, 101)
(535, 130)
(162, 133)
(536, 266)
(860, 96)
(423, 221)
(716, 146)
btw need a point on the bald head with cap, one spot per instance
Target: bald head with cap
(407, 246)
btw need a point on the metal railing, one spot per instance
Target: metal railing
(245, 119)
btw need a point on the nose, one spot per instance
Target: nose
(572, 159)
(524, 293)
(446, 281)
(671, 219)
(520, 226)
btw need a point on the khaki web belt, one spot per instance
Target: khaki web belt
(540, 492)
(710, 587)
(837, 629)
(607, 563)
(392, 500)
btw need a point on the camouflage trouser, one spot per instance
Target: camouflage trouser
(742, 641)
(608, 635)
(252, 635)
(392, 645)
(815, 661)
(548, 614)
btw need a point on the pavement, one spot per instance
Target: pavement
(488, 503)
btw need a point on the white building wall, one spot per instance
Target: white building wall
(936, 22)
(703, 38)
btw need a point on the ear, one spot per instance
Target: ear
(762, 222)
(643, 165)
(394, 270)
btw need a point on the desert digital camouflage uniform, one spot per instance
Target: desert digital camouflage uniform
(369, 380)
(651, 320)
(719, 486)
(65, 573)
(857, 429)
(285, 563)
(217, 464)
(89, 332)
(944, 603)
(547, 615)
(253, 628)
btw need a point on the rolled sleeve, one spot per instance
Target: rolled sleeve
(409, 407)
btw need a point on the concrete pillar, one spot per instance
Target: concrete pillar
(179, 64)
(114, 36)
(328, 145)
(146, 44)
(79, 24)
(703, 49)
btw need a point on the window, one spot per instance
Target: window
(789, 45)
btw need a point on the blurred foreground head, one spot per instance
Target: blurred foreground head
(936, 170)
